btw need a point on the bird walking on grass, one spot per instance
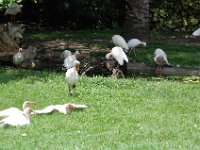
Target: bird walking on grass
(72, 77)
(118, 40)
(160, 58)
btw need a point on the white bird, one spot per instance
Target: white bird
(118, 54)
(17, 120)
(118, 40)
(12, 10)
(160, 58)
(72, 76)
(196, 32)
(18, 58)
(65, 108)
(65, 54)
(69, 61)
(133, 43)
(15, 111)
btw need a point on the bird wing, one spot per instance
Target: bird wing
(119, 55)
(69, 61)
(10, 112)
(118, 40)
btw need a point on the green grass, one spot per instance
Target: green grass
(140, 113)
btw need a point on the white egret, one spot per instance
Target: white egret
(72, 76)
(65, 108)
(133, 43)
(12, 10)
(118, 40)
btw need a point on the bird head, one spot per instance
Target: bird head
(109, 56)
(20, 49)
(27, 104)
(77, 65)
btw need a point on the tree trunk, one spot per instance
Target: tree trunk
(136, 23)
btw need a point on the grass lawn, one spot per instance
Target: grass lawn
(140, 113)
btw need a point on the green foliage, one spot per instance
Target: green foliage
(173, 15)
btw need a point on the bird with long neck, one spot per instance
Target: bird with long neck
(17, 120)
(15, 111)
(118, 40)
(72, 77)
(65, 108)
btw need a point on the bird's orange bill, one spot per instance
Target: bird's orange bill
(29, 102)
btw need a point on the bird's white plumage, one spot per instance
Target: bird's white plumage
(65, 54)
(18, 58)
(70, 59)
(72, 74)
(17, 120)
(118, 40)
(196, 32)
(160, 57)
(132, 43)
(65, 108)
(118, 54)
(13, 111)
(13, 9)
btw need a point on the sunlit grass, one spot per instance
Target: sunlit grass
(140, 113)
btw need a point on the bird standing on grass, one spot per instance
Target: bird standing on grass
(72, 76)
(118, 40)
(119, 55)
(15, 111)
(160, 58)
(17, 120)
(18, 58)
(133, 43)
(65, 108)
(12, 10)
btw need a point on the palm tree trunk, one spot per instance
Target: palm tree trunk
(136, 23)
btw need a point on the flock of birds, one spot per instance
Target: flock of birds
(16, 117)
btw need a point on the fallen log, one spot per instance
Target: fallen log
(142, 69)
